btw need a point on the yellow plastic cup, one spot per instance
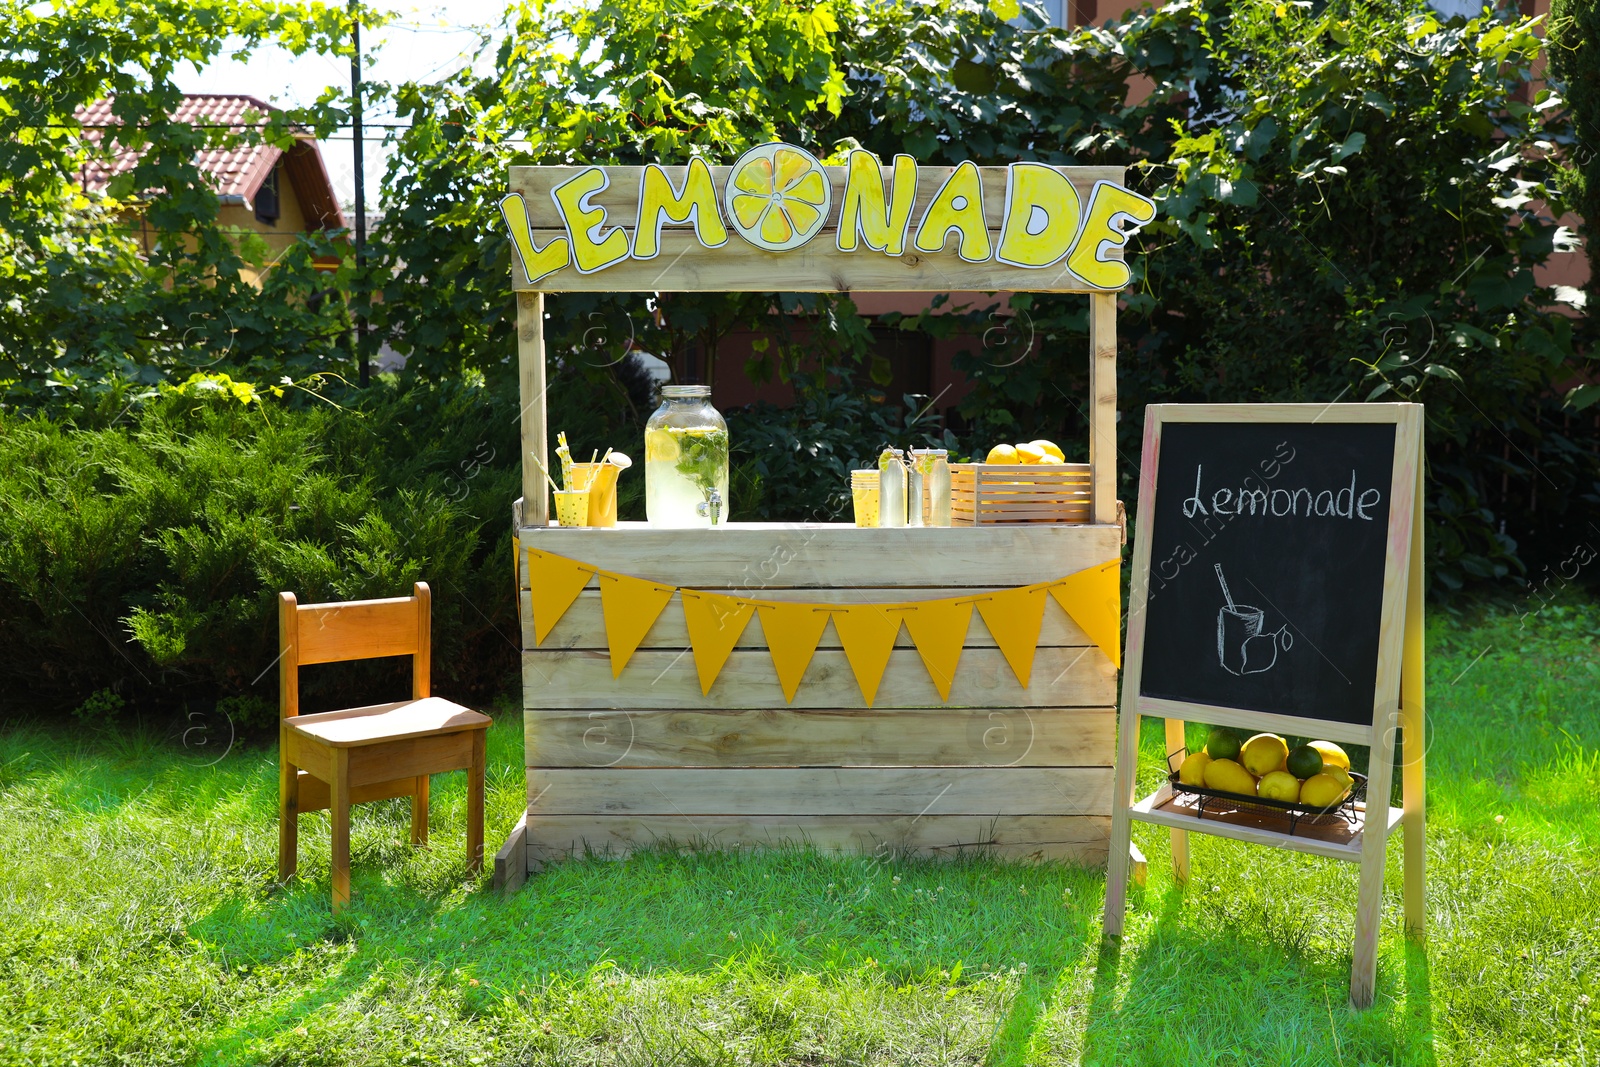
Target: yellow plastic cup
(864, 494)
(572, 507)
(600, 479)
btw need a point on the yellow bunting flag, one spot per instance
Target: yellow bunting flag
(793, 631)
(715, 625)
(939, 628)
(867, 632)
(1093, 597)
(554, 582)
(1014, 617)
(631, 606)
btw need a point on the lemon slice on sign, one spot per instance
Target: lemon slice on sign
(778, 196)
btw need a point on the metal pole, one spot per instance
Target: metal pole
(361, 192)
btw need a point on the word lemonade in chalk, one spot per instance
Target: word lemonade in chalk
(1300, 502)
(778, 197)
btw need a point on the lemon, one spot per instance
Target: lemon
(1322, 791)
(1226, 776)
(1002, 454)
(1340, 775)
(660, 446)
(778, 196)
(1193, 771)
(1222, 744)
(1332, 754)
(1030, 453)
(1051, 450)
(1279, 785)
(1264, 753)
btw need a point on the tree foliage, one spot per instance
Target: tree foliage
(87, 321)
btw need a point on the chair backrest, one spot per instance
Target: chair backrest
(355, 629)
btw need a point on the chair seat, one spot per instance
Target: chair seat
(378, 723)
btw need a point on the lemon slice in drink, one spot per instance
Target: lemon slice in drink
(777, 196)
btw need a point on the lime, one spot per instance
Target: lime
(1304, 762)
(1222, 744)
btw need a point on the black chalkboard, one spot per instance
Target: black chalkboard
(1265, 585)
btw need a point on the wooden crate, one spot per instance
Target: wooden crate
(986, 493)
(617, 764)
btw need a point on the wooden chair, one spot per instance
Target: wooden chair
(333, 759)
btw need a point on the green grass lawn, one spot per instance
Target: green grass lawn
(139, 922)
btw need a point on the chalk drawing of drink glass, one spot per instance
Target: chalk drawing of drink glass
(1242, 647)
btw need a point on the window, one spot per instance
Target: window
(267, 209)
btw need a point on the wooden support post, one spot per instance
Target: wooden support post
(511, 862)
(1180, 838)
(1138, 865)
(339, 812)
(1103, 404)
(288, 809)
(1369, 895)
(1414, 743)
(475, 788)
(535, 434)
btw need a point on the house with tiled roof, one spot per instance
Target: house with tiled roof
(276, 193)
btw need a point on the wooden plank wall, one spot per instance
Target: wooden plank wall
(615, 764)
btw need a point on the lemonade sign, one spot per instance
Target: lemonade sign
(778, 198)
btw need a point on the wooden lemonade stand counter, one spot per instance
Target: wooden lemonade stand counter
(988, 719)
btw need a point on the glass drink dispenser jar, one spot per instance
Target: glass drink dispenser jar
(686, 460)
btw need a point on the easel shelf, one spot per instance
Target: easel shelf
(1337, 840)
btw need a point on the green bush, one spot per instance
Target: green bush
(142, 561)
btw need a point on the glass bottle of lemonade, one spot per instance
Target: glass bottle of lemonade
(686, 460)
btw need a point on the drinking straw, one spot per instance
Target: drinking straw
(1224, 581)
(565, 455)
(554, 488)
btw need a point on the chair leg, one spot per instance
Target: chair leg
(475, 789)
(339, 809)
(288, 811)
(419, 811)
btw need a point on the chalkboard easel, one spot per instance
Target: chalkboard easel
(1277, 586)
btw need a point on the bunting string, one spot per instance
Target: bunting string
(793, 629)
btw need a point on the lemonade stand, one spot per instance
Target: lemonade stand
(925, 689)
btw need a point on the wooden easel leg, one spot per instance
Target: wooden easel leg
(1121, 825)
(339, 810)
(1369, 898)
(419, 811)
(475, 788)
(1180, 838)
(1414, 736)
(288, 811)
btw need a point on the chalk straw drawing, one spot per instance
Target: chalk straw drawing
(1241, 646)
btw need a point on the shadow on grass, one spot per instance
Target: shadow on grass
(1161, 998)
(787, 911)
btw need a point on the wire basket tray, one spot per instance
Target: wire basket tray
(1216, 801)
